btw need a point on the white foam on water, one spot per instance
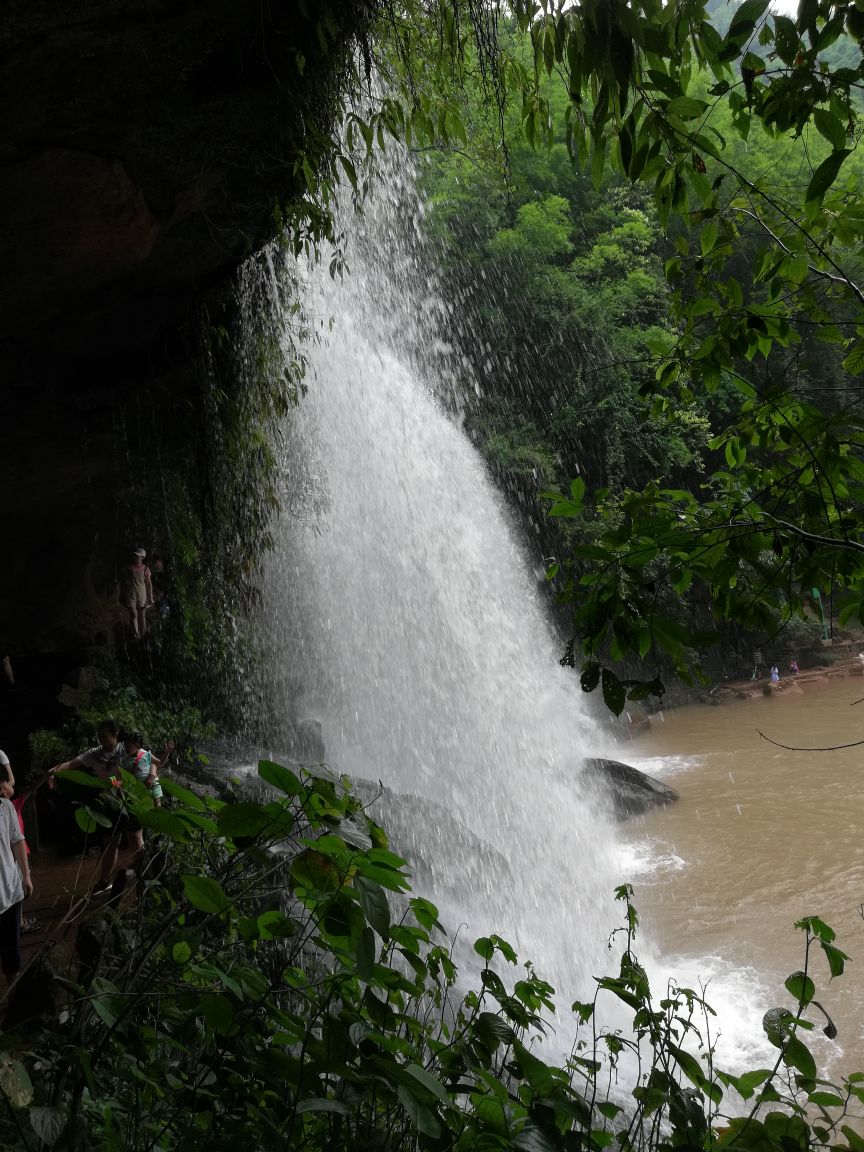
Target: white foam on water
(664, 766)
(648, 856)
(739, 999)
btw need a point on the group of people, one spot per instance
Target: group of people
(138, 592)
(104, 761)
(774, 671)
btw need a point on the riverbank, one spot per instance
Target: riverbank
(748, 689)
(638, 719)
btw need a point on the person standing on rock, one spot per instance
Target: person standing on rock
(138, 593)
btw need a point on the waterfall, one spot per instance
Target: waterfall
(404, 615)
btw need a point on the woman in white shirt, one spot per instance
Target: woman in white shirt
(15, 887)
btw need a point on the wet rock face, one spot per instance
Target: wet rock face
(432, 838)
(632, 792)
(309, 742)
(146, 145)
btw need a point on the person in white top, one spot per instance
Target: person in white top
(15, 886)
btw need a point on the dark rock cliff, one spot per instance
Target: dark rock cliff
(147, 145)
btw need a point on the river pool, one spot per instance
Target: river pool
(760, 837)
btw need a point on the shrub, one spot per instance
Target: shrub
(277, 977)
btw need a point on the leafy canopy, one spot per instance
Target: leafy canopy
(659, 94)
(744, 125)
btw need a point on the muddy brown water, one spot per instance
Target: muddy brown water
(760, 837)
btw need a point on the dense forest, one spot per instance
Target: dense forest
(649, 219)
(571, 289)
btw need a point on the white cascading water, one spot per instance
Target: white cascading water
(404, 616)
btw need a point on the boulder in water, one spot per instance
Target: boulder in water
(632, 792)
(440, 849)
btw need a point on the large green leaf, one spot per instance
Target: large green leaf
(423, 1118)
(835, 957)
(184, 795)
(854, 361)
(538, 1074)
(686, 107)
(797, 1055)
(165, 822)
(107, 1000)
(15, 1083)
(493, 1031)
(282, 778)
(374, 903)
(746, 1084)
(614, 692)
(535, 1138)
(430, 1083)
(825, 175)
(88, 819)
(206, 894)
(365, 954)
(831, 127)
(48, 1123)
(322, 1104)
(745, 16)
(801, 987)
(245, 819)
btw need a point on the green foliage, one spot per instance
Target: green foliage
(772, 525)
(48, 748)
(208, 496)
(158, 720)
(747, 135)
(276, 975)
(560, 347)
